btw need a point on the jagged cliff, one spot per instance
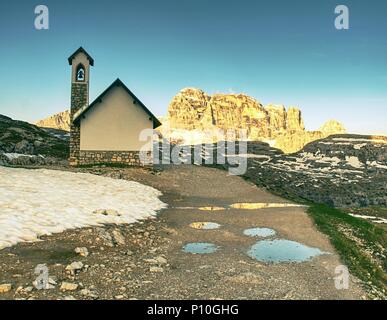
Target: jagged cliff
(192, 112)
(59, 120)
(193, 109)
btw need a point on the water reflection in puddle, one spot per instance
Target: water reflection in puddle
(205, 225)
(200, 247)
(282, 251)
(263, 205)
(242, 205)
(211, 208)
(259, 232)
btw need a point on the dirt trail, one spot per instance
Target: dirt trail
(229, 273)
(127, 271)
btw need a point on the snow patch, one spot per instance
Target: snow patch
(353, 161)
(372, 218)
(42, 202)
(12, 156)
(360, 140)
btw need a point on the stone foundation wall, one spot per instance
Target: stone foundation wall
(114, 157)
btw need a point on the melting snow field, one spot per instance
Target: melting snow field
(40, 202)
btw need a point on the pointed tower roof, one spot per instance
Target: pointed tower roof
(80, 49)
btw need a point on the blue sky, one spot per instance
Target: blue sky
(284, 52)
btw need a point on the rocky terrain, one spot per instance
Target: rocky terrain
(194, 117)
(341, 170)
(22, 143)
(59, 121)
(146, 260)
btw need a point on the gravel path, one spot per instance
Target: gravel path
(145, 260)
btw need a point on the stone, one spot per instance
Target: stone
(156, 269)
(105, 236)
(82, 251)
(118, 238)
(28, 289)
(6, 287)
(68, 286)
(74, 267)
(107, 212)
(161, 260)
(88, 293)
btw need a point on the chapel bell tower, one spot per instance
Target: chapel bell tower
(80, 62)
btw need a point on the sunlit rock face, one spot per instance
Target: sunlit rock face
(59, 120)
(192, 111)
(332, 127)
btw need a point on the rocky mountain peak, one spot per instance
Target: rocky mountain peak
(332, 127)
(59, 120)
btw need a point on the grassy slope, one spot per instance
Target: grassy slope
(361, 245)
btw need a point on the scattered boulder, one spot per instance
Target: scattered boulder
(88, 293)
(105, 236)
(161, 260)
(82, 251)
(118, 238)
(74, 267)
(68, 286)
(6, 287)
(156, 269)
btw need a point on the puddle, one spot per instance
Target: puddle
(259, 232)
(249, 206)
(262, 205)
(211, 208)
(282, 251)
(200, 247)
(205, 225)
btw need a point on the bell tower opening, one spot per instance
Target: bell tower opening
(80, 75)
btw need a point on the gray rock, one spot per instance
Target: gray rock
(82, 251)
(118, 238)
(24, 147)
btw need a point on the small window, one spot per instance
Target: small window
(80, 75)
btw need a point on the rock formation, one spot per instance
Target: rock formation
(192, 111)
(332, 127)
(59, 120)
